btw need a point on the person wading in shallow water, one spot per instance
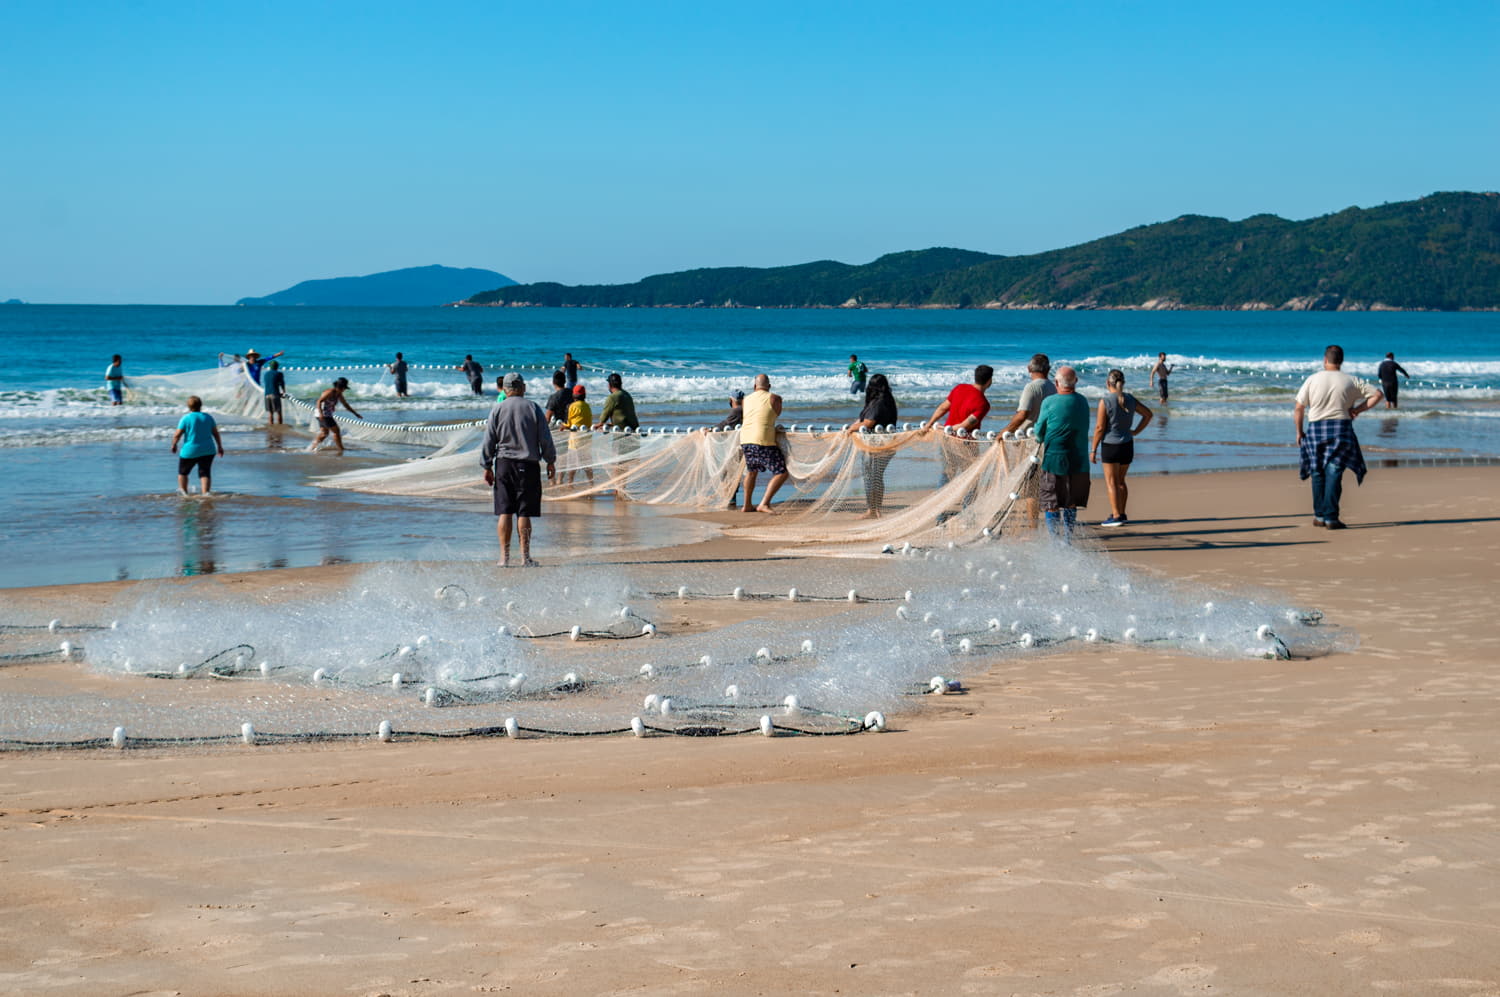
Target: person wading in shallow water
(516, 441)
(328, 401)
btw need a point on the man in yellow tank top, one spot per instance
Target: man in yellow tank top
(758, 443)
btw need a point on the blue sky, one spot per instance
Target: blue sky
(200, 152)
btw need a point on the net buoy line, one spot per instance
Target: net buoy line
(1242, 369)
(121, 739)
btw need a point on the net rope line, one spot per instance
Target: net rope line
(1244, 370)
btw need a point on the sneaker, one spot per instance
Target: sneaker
(1113, 521)
(1334, 524)
(1318, 522)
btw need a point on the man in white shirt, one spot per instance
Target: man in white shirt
(1327, 403)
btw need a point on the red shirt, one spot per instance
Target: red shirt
(967, 400)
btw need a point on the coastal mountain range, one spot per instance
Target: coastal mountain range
(1441, 252)
(412, 287)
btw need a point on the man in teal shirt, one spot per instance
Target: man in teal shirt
(1063, 428)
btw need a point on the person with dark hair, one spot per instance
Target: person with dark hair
(327, 403)
(570, 371)
(273, 383)
(879, 410)
(199, 438)
(1063, 429)
(556, 409)
(1114, 433)
(619, 407)
(1328, 403)
(965, 408)
(474, 371)
(516, 442)
(114, 380)
(1386, 374)
(1159, 372)
(857, 374)
(1037, 390)
(398, 371)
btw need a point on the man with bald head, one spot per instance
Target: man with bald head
(1063, 430)
(758, 444)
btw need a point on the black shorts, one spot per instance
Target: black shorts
(518, 487)
(328, 422)
(273, 404)
(1117, 453)
(204, 464)
(1063, 491)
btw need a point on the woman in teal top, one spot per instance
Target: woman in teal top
(198, 437)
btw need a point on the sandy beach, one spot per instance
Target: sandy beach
(1095, 821)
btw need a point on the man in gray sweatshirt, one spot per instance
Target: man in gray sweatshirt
(516, 441)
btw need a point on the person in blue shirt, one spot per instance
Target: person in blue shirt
(198, 437)
(274, 383)
(254, 362)
(114, 380)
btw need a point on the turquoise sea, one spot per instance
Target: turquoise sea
(88, 492)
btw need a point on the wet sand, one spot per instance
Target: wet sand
(1092, 822)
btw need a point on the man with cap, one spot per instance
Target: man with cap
(736, 415)
(254, 362)
(516, 441)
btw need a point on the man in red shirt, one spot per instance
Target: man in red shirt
(965, 408)
(966, 405)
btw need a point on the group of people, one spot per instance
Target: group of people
(1074, 434)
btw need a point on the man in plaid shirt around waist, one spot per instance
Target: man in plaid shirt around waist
(1327, 403)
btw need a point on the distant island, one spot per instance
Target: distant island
(411, 287)
(1440, 252)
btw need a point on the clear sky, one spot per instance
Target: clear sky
(200, 152)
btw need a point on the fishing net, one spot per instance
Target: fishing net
(915, 487)
(811, 646)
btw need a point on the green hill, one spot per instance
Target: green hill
(1439, 252)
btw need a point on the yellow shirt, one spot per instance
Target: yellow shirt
(580, 418)
(759, 426)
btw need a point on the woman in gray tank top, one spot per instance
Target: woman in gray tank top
(1114, 442)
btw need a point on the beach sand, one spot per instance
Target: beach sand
(1100, 821)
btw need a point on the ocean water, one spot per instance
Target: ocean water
(88, 492)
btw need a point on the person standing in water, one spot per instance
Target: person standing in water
(1386, 374)
(857, 374)
(570, 371)
(398, 371)
(198, 436)
(114, 380)
(474, 371)
(273, 382)
(328, 401)
(516, 442)
(1159, 371)
(1114, 442)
